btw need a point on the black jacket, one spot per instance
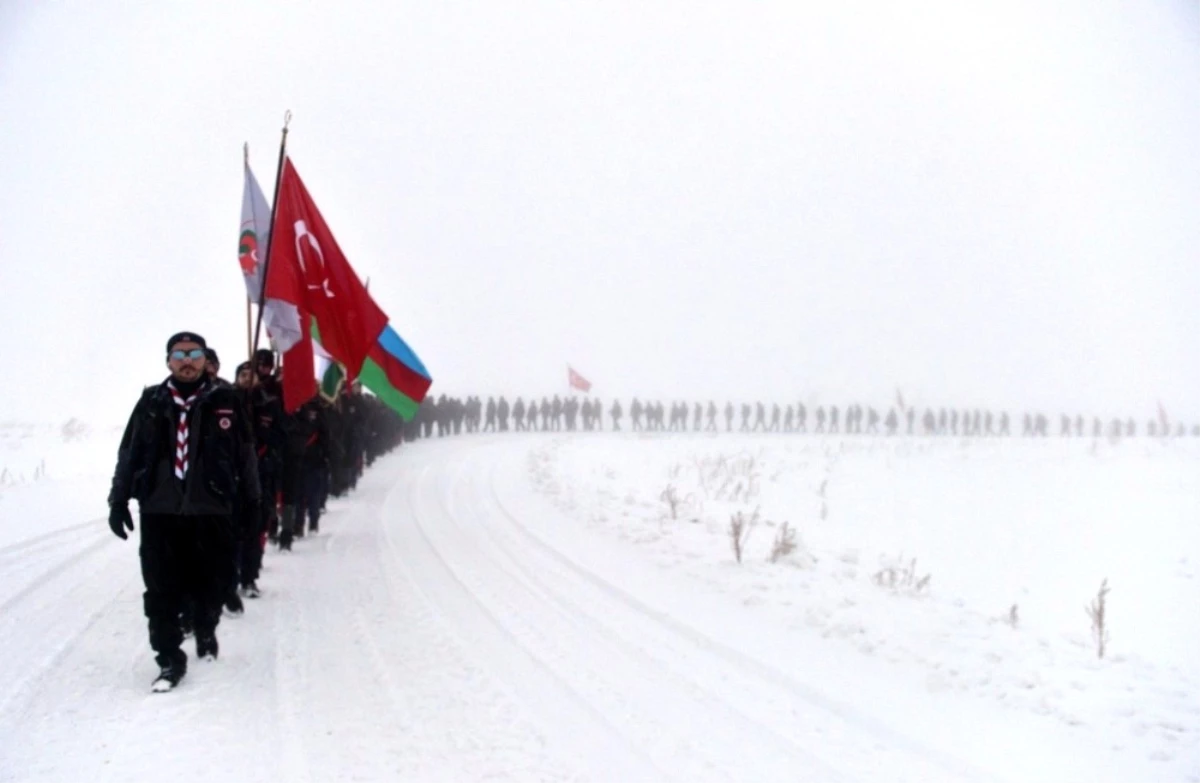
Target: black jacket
(270, 435)
(221, 460)
(309, 439)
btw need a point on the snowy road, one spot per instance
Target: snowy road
(446, 625)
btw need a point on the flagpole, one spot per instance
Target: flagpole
(287, 118)
(249, 317)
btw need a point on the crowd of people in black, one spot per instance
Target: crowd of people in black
(218, 471)
(451, 416)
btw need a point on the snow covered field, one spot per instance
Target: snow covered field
(539, 608)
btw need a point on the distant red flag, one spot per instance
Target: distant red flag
(577, 381)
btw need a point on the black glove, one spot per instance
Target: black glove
(119, 519)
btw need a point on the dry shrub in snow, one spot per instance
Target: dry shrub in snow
(1009, 618)
(671, 498)
(1096, 612)
(681, 507)
(729, 478)
(739, 531)
(74, 429)
(902, 578)
(784, 543)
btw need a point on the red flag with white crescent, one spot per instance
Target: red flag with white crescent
(308, 270)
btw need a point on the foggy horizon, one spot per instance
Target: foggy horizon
(989, 207)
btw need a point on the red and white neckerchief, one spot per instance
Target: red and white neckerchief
(181, 430)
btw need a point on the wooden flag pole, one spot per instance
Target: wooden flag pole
(287, 118)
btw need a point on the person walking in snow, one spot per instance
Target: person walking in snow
(186, 452)
(313, 445)
(255, 522)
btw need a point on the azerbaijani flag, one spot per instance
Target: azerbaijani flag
(393, 373)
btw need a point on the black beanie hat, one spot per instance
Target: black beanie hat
(211, 355)
(264, 356)
(240, 367)
(186, 337)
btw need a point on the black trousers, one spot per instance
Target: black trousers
(185, 559)
(316, 489)
(249, 556)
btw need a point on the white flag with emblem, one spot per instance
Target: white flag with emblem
(281, 319)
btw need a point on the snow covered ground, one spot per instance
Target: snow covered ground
(529, 608)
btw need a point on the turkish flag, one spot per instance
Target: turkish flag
(577, 381)
(309, 270)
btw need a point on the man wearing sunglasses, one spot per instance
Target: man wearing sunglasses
(187, 453)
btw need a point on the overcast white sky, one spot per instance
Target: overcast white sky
(981, 203)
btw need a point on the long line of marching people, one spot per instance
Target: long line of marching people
(452, 415)
(220, 470)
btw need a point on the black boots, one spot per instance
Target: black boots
(206, 647)
(233, 602)
(173, 667)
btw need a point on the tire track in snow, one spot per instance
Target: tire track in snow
(716, 691)
(37, 635)
(564, 710)
(20, 546)
(41, 578)
(748, 664)
(680, 704)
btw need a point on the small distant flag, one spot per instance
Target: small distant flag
(577, 381)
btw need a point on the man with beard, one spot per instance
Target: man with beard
(185, 452)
